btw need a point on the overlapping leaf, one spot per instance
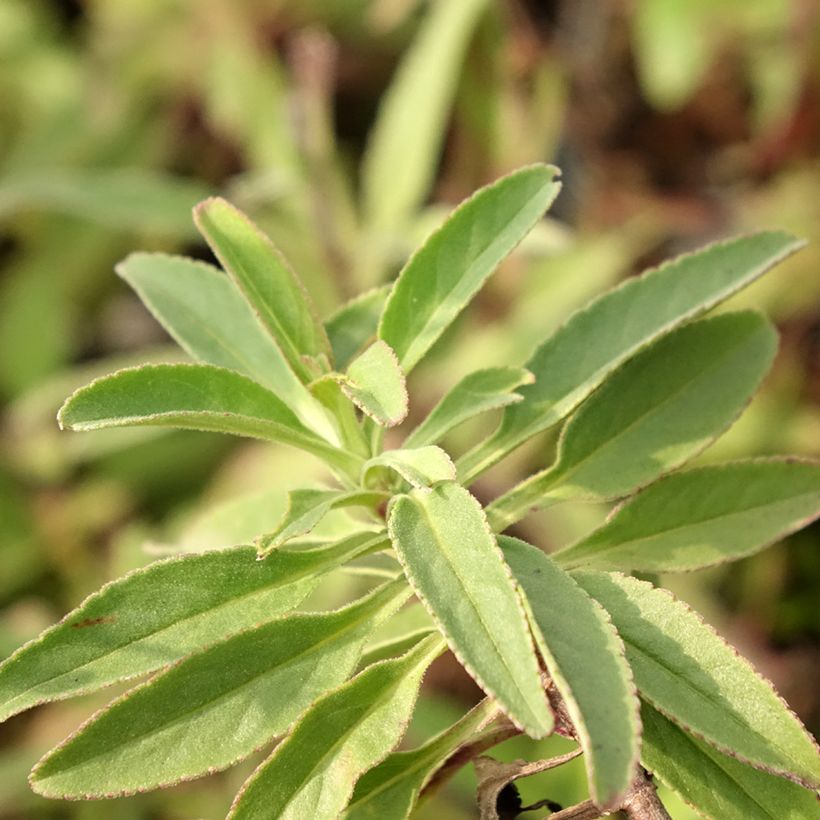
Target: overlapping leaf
(158, 614)
(585, 659)
(577, 358)
(455, 566)
(452, 265)
(313, 771)
(703, 516)
(419, 466)
(687, 672)
(215, 707)
(354, 324)
(374, 382)
(657, 411)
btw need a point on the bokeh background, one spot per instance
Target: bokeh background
(348, 128)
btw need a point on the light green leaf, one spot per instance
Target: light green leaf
(270, 286)
(313, 771)
(476, 393)
(577, 358)
(420, 467)
(404, 145)
(206, 314)
(354, 324)
(452, 265)
(456, 568)
(374, 382)
(393, 787)
(703, 516)
(306, 508)
(714, 784)
(193, 397)
(585, 659)
(686, 671)
(216, 707)
(659, 410)
(384, 650)
(156, 615)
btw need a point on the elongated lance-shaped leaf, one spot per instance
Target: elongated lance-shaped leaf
(716, 785)
(156, 615)
(393, 787)
(476, 393)
(354, 324)
(451, 559)
(374, 382)
(270, 286)
(577, 358)
(684, 669)
(215, 707)
(306, 508)
(703, 516)
(659, 410)
(403, 149)
(451, 266)
(206, 314)
(419, 467)
(313, 771)
(385, 650)
(194, 397)
(585, 659)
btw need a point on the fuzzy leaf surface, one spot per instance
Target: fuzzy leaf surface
(452, 561)
(420, 466)
(270, 286)
(449, 269)
(207, 315)
(716, 785)
(392, 788)
(215, 707)
(354, 324)
(192, 397)
(156, 615)
(585, 659)
(478, 392)
(703, 516)
(660, 409)
(600, 337)
(374, 382)
(313, 770)
(684, 669)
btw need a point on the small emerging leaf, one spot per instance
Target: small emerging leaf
(703, 516)
(420, 467)
(456, 568)
(686, 671)
(313, 771)
(476, 393)
(374, 382)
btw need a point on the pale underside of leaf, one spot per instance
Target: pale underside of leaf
(374, 382)
(420, 467)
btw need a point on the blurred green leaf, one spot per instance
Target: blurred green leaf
(354, 324)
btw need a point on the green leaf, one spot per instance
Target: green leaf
(577, 358)
(270, 286)
(306, 508)
(313, 770)
(659, 410)
(452, 265)
(206, 314)
(374, 382)
(703, 516)
(384, 650)
(354, 324)
(476, 393)
(393, 787)
(193, 397)
(216, 707)
(404, 145)
(716, 785)
(419, 467)
(585, 659)
(456, 568)
(156, 615)
(690, 674)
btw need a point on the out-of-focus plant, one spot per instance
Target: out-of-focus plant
(573, 643)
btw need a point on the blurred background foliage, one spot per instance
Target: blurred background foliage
(347, 128)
